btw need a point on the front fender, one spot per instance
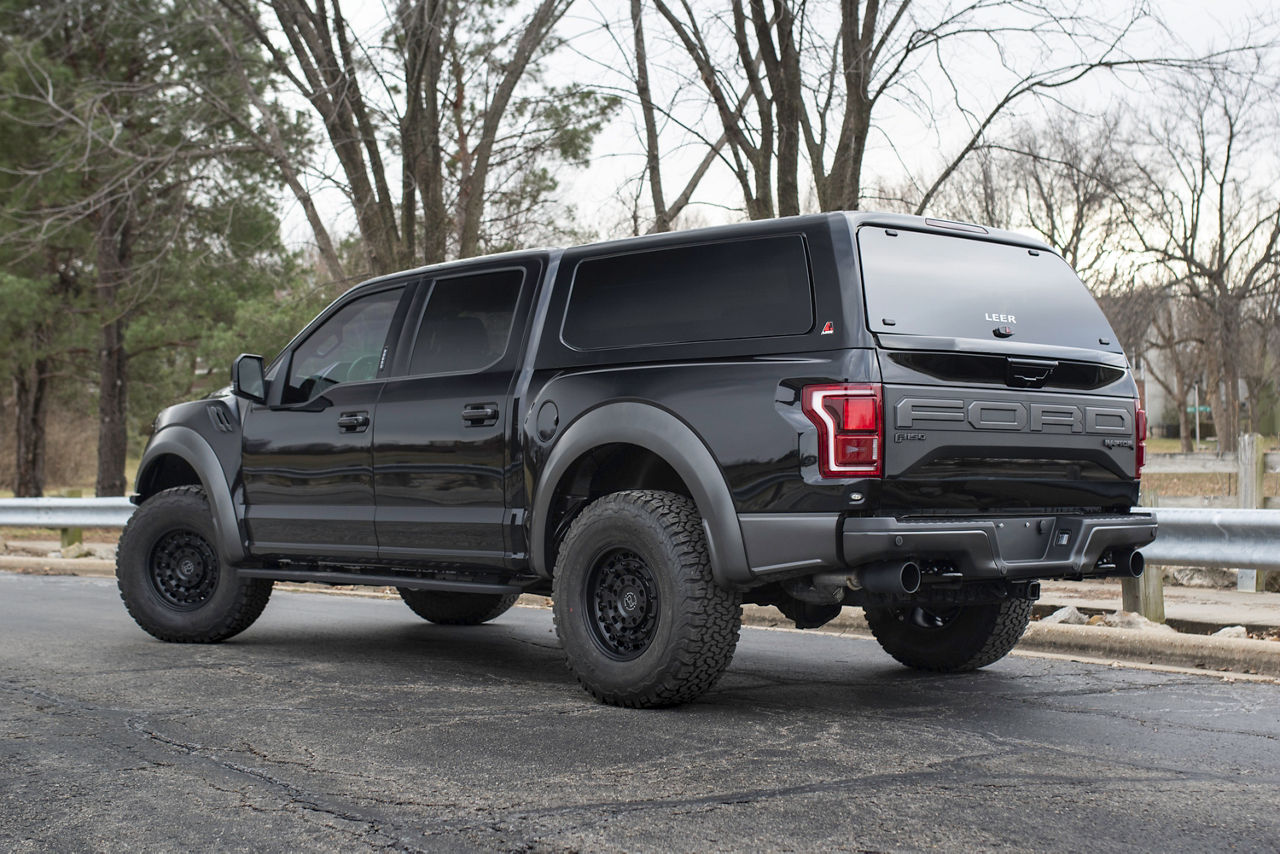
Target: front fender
(671, 439)
(190, 446)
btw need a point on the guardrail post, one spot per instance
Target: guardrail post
(1249, 460)
(1145, 595)
(71, 536)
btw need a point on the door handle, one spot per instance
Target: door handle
(480, 414)
(353, 422)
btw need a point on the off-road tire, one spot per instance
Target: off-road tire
(457, 609)
(204, 602)
(975, 636)
(680, 636)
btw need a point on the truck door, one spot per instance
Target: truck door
(308, 463)
(441, 446)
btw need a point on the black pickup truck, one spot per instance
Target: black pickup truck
(918, 417)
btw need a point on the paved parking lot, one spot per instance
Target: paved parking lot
(349, 724)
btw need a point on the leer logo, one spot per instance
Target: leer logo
(829, 328)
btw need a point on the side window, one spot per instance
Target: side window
(466, 322)
(345, 348)
(751, 288)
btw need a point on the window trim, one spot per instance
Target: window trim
(427, 287)
(573, 282)
(284, 361)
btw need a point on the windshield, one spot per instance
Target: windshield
(936, 285)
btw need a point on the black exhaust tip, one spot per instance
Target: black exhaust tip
(890, 577)
(1136, 564)
(910, 577)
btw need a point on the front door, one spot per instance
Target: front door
(307, 460)
(441, 444)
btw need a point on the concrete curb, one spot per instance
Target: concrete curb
(91, 567)
(1172, 649)
(1201, 652)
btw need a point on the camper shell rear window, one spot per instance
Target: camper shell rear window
(938, 285)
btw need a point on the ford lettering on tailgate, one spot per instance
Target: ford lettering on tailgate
(922, 413)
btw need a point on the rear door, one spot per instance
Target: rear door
(442, 443)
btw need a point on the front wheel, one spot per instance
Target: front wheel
(171, 578)
(642, 622)
(950, 640)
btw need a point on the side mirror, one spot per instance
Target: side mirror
(247, 380)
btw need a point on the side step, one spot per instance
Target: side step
(413, 582)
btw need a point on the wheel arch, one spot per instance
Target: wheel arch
(178, 456)
(673, 449)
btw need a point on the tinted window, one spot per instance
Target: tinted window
(957, 287)
(466, 322)
(736, 289)
(345, 348)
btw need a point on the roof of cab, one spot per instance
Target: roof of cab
(854, 219)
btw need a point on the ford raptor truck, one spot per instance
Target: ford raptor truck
(917, 417)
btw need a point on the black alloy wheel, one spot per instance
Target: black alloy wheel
(624, 604)
(184, 570)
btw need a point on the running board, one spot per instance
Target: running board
(320, 576)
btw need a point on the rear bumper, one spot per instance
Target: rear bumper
(1014, 547)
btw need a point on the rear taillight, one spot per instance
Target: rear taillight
(1140, 441)
(850, 424)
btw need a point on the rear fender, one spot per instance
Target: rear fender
(671, 439)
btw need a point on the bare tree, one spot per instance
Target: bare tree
(1259, 356)
(449, 96)
(817, 80)
(1207, 212)
(1177, 335)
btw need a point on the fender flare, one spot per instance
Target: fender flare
(675, 442)
(190, 446)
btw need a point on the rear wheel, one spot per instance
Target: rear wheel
(457, 609)
(171, 578)
(641, 620)
(950, 640)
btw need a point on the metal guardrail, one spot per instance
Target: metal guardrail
(1231, 539)
(65, 512)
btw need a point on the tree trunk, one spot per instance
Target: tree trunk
(112, 407)
(653, 163)
(1226, 415)
(1186, 436)
(114, 254)
(31, 403)
(471, 196)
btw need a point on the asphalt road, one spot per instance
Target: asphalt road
(349, 724)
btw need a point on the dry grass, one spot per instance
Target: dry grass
(71, 456)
